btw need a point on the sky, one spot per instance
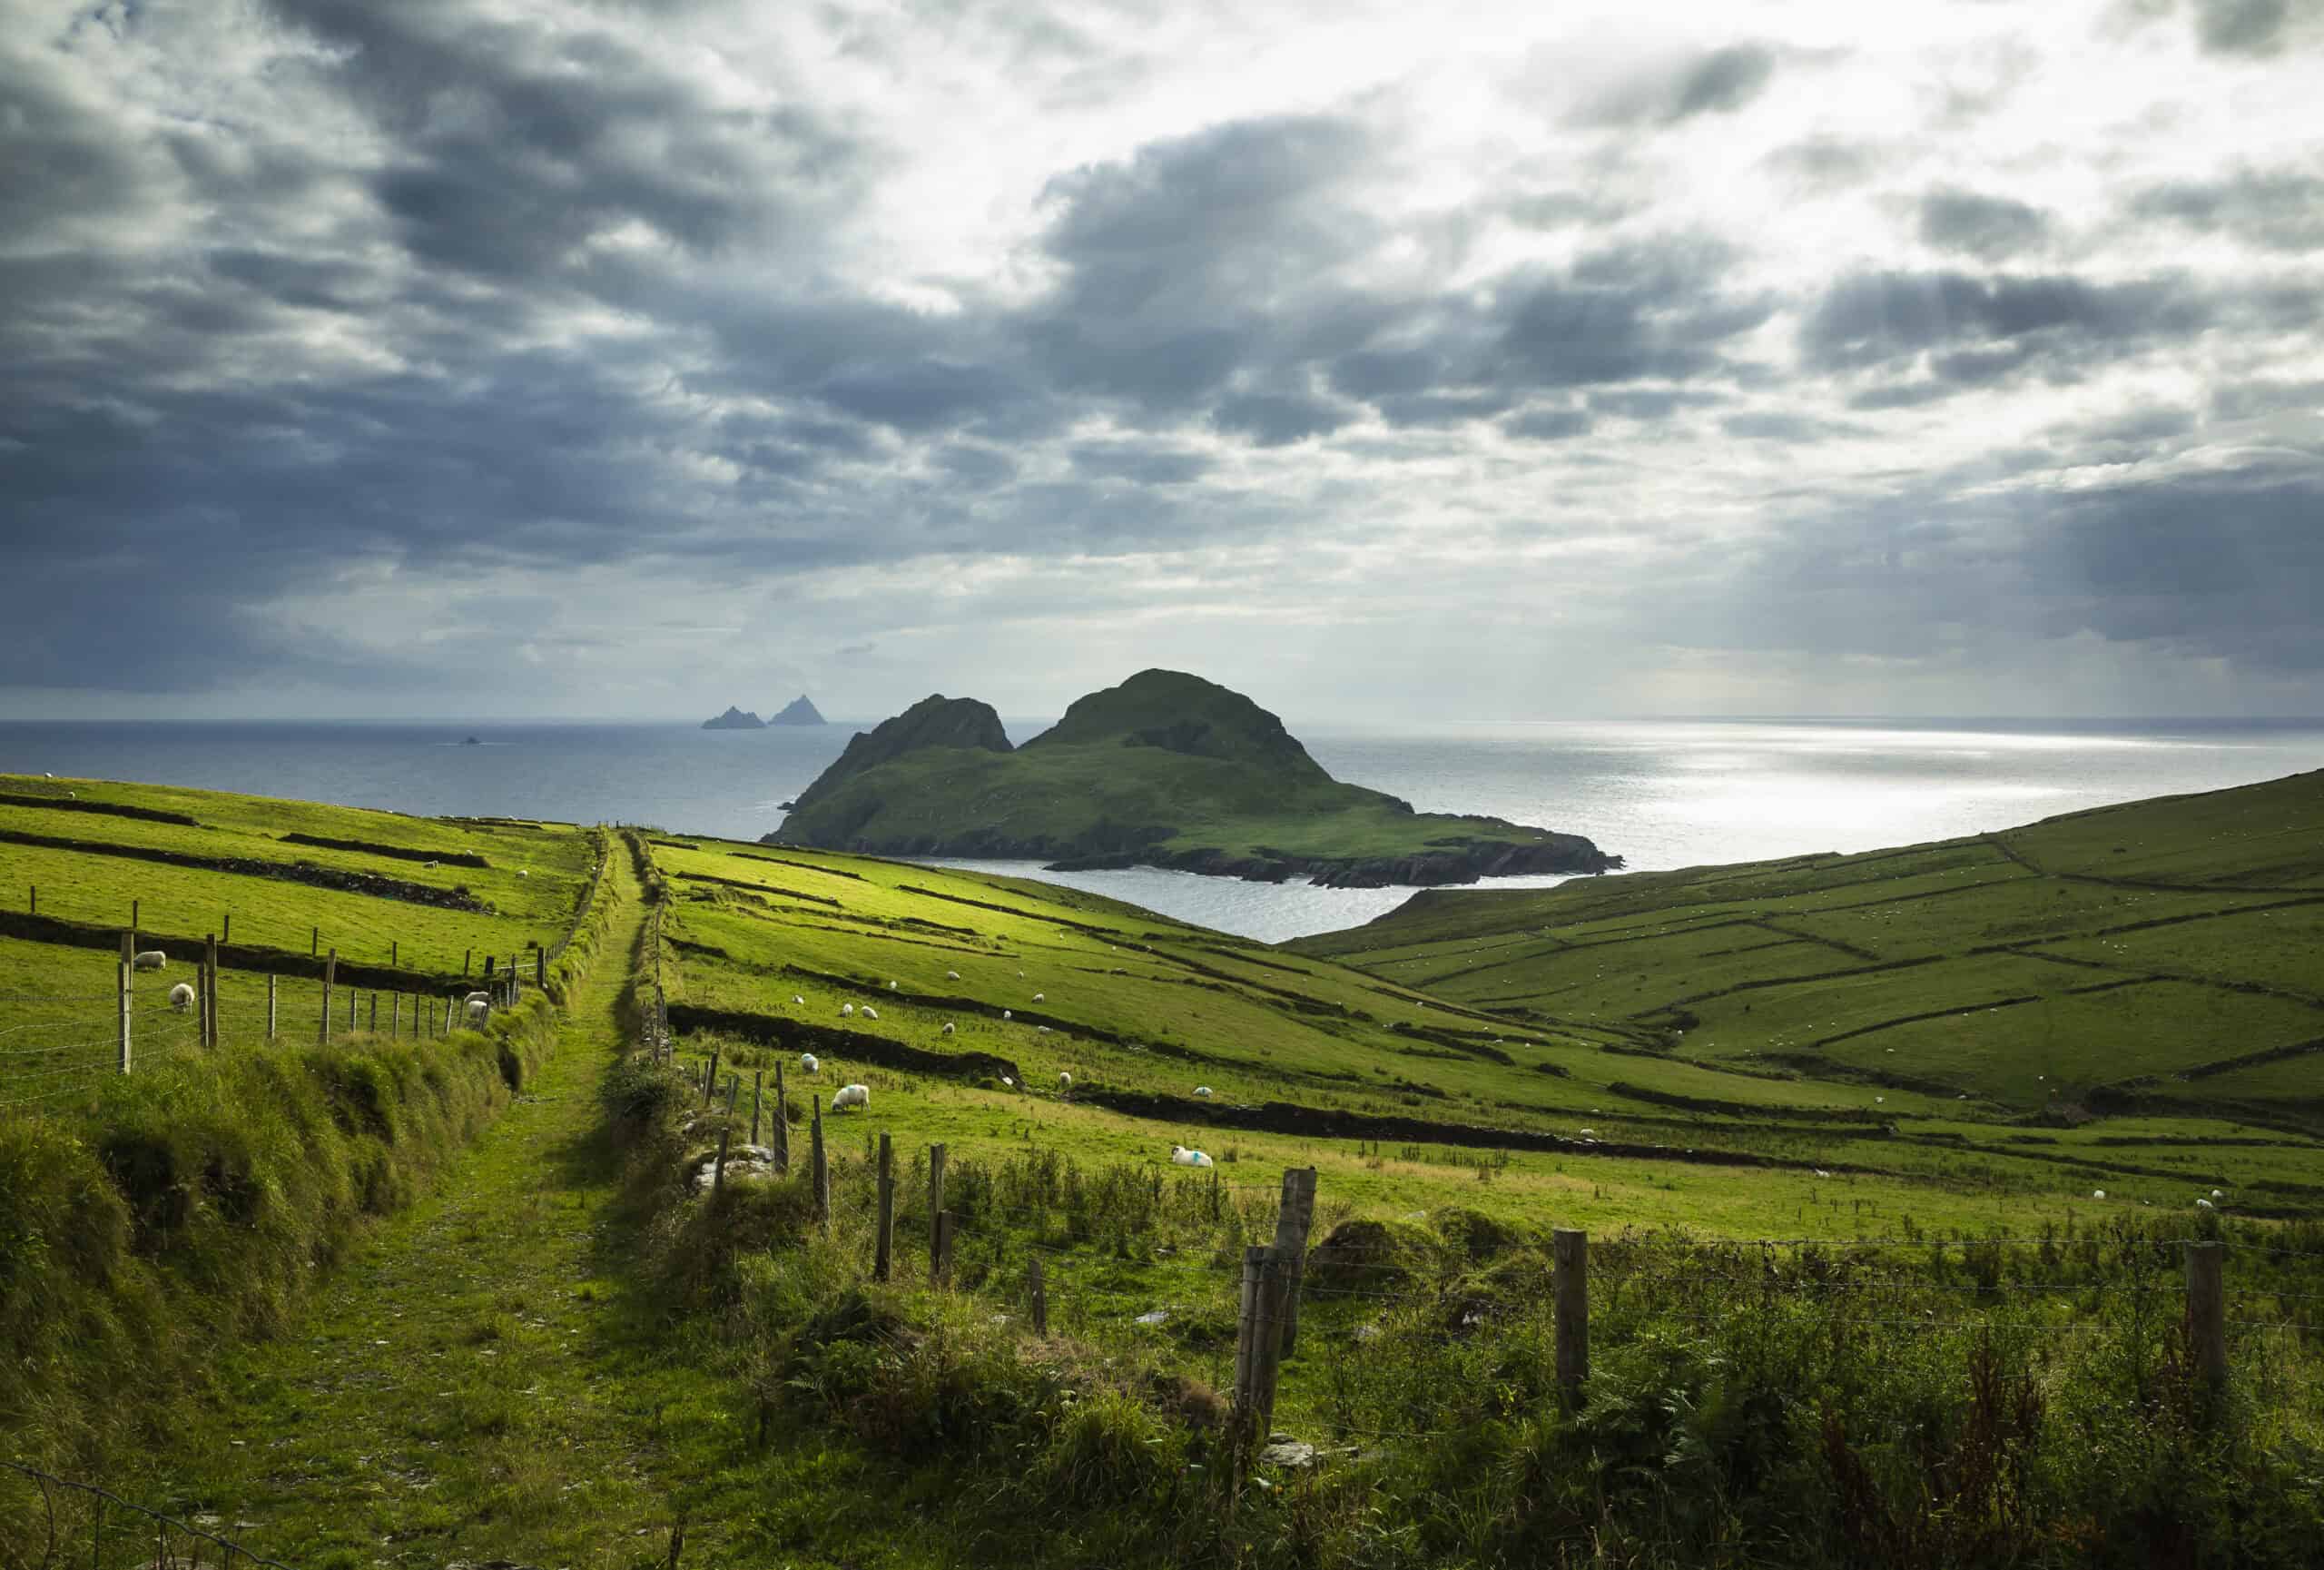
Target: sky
(1387, 361)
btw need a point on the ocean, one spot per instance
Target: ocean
(1661, 793)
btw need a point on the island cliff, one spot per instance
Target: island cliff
(1166, 770)
(798, 711)
(736, 719)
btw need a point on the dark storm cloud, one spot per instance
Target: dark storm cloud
(1141, 464)
(2241, 27)
(1278, 418)
(1989, 228)
(516, 143)
(2280, 209)
(1718, 81)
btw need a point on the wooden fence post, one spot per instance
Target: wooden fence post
(718, 1172)
(350, 1008)
(375, 1013)
(756, 1076)
(1257, 1344)
(1570, 1253)
(315, 941)
(395, 954)
(823, 1172)
(209, 992)
(2207, 1316)
(226, 927)
(1292, 1218)
(468, 956)
(32, 897)
(330, 972)
(781, 1130)
(1036, 1293)
(395, 1013)
(709, 1077)
(128, 970)
(540, 967)
(935, 1201)
(133, 923)
(269, 1006)
(947, 1226)
(885, 1242)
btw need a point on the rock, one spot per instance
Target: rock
(736, 719)
(1287, 1451)
(798, 711)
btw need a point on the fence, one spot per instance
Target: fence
(75, 1036)
(76, 1513)
(1235, 1264)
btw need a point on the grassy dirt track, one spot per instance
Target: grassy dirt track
(486, 1379)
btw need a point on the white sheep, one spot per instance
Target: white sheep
(870, 1013)
(1010, 1082)
(807, 1062)
(2097, 1193)
(798, 999)
(1588, 1133)
(947, 1028)
(1203, 1091)
(2205, 1204)
(151, 960)
(1041, 997)
(1044, 1030)
(1181, 1156)
(479, 1009)
(473, 998)
(72, 796)
(951, 976)
(847, 1011)
(892, 986)
(1064, 1081)
(182, 998)
(851, 1096)
(1008, 1013)
(1822, 1173)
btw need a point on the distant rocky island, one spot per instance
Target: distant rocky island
(1166, 770)
(798, 711)
(736, 719)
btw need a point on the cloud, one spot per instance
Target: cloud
(1989, 228)
(382, 351)
(1715, 82)
(2278, 210)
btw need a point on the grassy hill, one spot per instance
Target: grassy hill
(2160, 956)
(1164, 770)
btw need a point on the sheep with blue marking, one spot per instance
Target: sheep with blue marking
(851, 1096)
(1183, 1157)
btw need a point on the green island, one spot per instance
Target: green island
(1898, 1175)
(1166, 770)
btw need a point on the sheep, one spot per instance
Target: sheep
(474, 998)
(72, 796)
(870, 1013)
(151, 960)
(1181, 1156)
(808, 1062)
(524, 871)
(799, 1000)
(1588, 1133)
(947, 1028)
(1044, 1030)
(48, 777)
(182, 998)
(847, 1011)
(951, 976)
(892, 986)
(2097, 1193)
(479, 1009)
(1822, 1173)
(1008, 1013)
(2217, 1195)
(1010, 1082)
(1203, 1091)
(1041, 997)
(2205, 1205)
(1064, 1081)
(851, 1096)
